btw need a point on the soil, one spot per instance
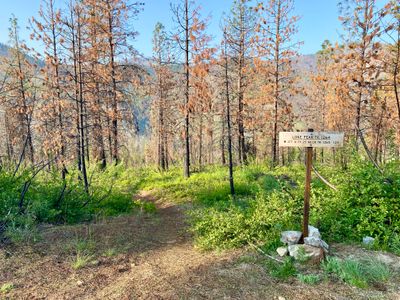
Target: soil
(146, 256)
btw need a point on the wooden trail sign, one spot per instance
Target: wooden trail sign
(309, 140)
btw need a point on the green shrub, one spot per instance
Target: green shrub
(236, 223)
(50, 199)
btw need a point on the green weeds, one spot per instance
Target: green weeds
(359, 273)
(6, 287)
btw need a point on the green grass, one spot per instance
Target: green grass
(270, 200)
(310, 279)
(111, 252)
(49, 199)
(6, 287)
(282, 271)
(81, 260)
(359, 273)
(267, 201)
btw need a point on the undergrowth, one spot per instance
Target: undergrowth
(50, 199)
(269, 201)
(359, 273)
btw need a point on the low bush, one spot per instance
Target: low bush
(268, 201)
(49, 199)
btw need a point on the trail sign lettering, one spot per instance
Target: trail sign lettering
(310, 139)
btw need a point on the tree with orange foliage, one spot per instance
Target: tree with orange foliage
(18, 98)
(52, 111)
(275, 32)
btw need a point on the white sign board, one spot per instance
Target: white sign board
(311, 139)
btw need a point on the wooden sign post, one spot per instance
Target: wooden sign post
(309, 140)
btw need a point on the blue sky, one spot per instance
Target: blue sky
(319, 20)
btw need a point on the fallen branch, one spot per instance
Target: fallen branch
(364, 143)
(324, 180)
(265, 254)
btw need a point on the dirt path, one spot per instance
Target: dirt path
(147, 257)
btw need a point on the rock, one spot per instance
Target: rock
(325, 246)
(281, 298)
(316, 242)
(306, 252)
(313, 232)
(282, 251)
(368, 240)
(312, 241)
(290, 237)
(79, 282)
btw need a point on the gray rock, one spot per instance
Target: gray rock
(313, 232)
(312, 241)
(368, 240)
(306, 252)
(290, 237)
(325, 246)
(282, 251)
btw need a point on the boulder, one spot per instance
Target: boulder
(316, 242)
(369, 241)
(290, 237)
(306, 252)
(282, 251)
(312, 241)
(313, 232)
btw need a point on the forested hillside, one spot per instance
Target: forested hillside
(116, 165)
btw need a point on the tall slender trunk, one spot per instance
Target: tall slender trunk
(201, 141)
(25, 113)
(228, 124)
(76, 83)
(187, 88)
(114, 100)
(361, 74)
(222, 142)
(275, 155)
(242, 143)
(82, 105)
(101, 153)
(161, 130)
(396, 70)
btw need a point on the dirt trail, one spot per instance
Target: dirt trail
(155, 259)
(162, 272)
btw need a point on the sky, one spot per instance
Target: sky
(318, 20)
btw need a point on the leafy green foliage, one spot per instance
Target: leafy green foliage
(50, 199)
(269, 201)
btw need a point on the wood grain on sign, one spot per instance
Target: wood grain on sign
(311, 139)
